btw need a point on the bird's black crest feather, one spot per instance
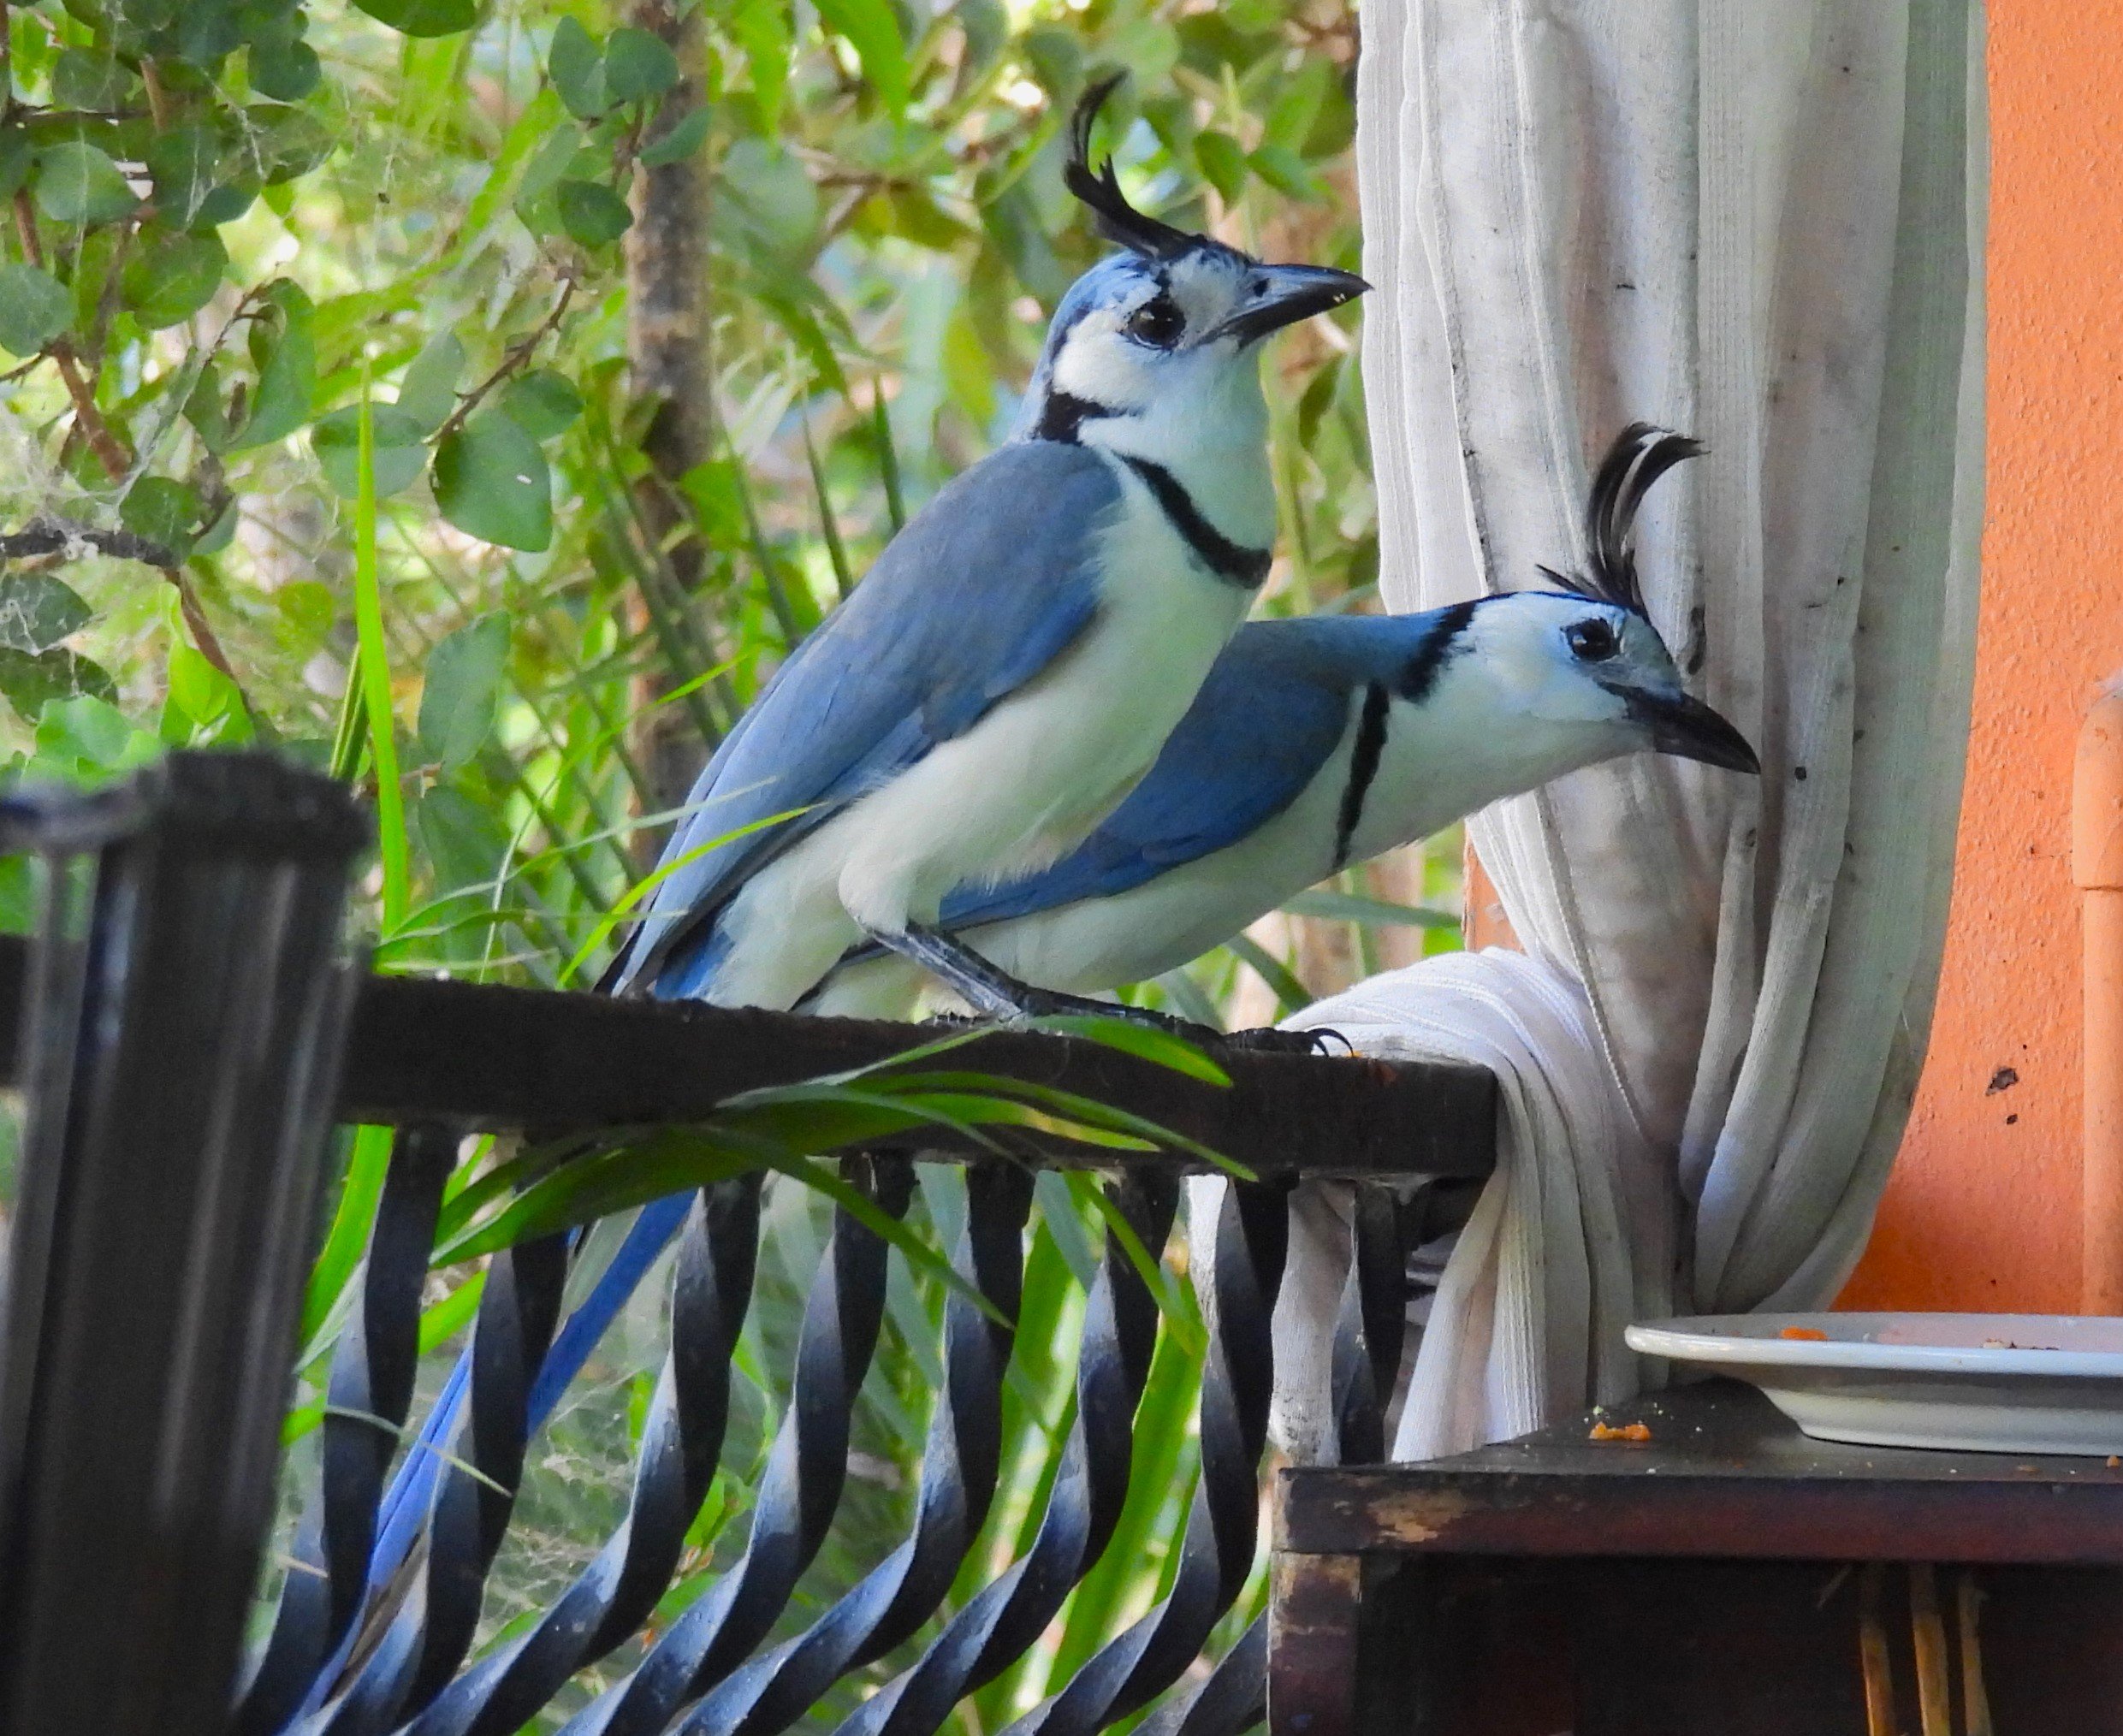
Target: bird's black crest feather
(1118, 220)
(1640, 456)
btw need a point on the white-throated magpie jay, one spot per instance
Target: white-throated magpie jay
(1321, 742)
(1012, 663)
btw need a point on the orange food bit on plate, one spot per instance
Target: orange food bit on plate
(1812, 1335)
(1628, 1431)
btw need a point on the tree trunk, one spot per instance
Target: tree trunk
(667, 349)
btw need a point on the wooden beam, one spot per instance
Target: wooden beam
(493, 1056)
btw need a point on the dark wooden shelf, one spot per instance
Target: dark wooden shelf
(1724, 1473)
(1718, 1580)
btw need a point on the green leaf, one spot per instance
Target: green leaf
(34, 308)
(200, 691)
(872, 29)
(541, 403)
(206, 409)
(773, 197)
(424, 17)
(712, 488)
(463, 686)
(287, 142)
(18, 156)
(638, 65)
(576, 66)
(1221, 161)
(185, 164)
(287, 365)
(552, 160)
(164, 511)
(76, 183)
(83, 79)
(678, 141)
(1146, 1041)
(30, 681)
(174, 278)
(37, 610)
(591, 213)
(1279, 976)
(1285, 171)
(428, 392)
(285, 70)
(491, 482)
(400, 453)
(87, 731)
(1055, 55)
(761, 28)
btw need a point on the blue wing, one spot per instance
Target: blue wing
(1268, 718)
(989, 582)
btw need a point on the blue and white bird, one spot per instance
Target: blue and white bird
(1321, 742)
(1009, 668)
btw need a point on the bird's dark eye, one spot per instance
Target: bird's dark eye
(1592, 641)
(1158, 322)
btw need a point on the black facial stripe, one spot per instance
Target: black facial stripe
(1227, 559)
(1063, 415)
(1363, 767)
(1431, 656)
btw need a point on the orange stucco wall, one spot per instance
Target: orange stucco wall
(1983, 1211)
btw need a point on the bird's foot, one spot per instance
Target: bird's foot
(997, 996)
(1272, 1039)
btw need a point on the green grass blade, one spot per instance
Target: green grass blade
(348, 1238)
(1280, 979)
(1373, 913)
(374, 667)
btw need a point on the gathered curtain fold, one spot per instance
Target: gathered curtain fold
(1763, 226)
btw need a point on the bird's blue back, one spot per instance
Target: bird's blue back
(1269, 717)
(983, 589)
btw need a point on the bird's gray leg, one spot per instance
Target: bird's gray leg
(993, 993)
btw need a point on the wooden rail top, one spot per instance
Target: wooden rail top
(493, 1056)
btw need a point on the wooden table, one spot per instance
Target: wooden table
(1725, 1578)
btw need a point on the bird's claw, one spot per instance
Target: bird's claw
(1271, 1040)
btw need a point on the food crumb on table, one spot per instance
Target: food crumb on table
(1628, 1431)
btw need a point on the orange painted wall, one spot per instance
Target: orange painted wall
(1983, 1211)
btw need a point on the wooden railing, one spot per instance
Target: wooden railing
(186, 1034)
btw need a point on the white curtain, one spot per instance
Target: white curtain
(1761, 224)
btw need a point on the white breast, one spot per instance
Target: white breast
(1032, 779)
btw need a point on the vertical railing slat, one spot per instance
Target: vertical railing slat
(183, 1051)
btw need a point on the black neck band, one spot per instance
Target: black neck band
(1363, 767)
(1227, 559)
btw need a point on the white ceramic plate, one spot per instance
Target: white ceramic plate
(1976, 1382)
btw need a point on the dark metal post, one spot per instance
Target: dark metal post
(181, 1053)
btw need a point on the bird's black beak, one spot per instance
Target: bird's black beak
(1280, 295)
(1684, 726)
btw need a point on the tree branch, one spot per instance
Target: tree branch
(110, 451)
(44, 535)
(518, 353)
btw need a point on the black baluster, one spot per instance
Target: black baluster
(681, 1443)
(806, 1471)
(959, 1466)
(1003, 1619)
(367, 1398)
(1253, 1236)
